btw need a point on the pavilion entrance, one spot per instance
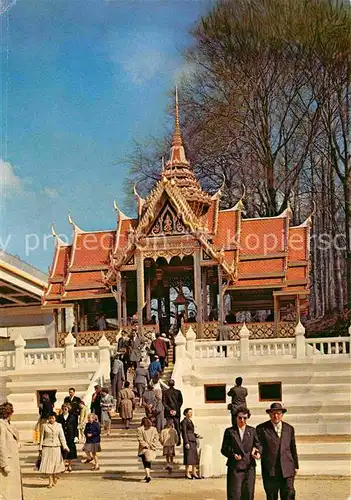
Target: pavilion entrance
(169, 291)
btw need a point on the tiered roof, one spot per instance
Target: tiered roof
(253, 253)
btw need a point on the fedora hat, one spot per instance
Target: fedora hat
(276, 407)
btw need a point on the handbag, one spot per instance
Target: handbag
(38, 461)
(149, 455)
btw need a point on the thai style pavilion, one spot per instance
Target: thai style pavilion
(182, 252)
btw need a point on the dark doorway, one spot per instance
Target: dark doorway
(270, 391)
(215, 393)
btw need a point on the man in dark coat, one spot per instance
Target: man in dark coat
(95, 405)
(241, 447)
(279, 455)
(173, 402)
(238, 394)
(74, 401)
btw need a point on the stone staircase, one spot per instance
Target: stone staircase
(167, 372)
(118, 456)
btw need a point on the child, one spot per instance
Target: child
(169, 439)
(92, 444)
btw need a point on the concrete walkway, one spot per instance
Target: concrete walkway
(129, 488)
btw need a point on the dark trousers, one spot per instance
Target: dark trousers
(241, 484)
(162, 361)
(146, 464)
(273, 485)
(176, 422)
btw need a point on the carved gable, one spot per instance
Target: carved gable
(167, 223)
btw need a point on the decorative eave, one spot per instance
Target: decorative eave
(140, 200)
(59, 241)
(76, 228)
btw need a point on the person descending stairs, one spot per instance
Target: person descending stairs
(118, 457)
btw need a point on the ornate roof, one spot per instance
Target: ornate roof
(253, 253)
(179, 170)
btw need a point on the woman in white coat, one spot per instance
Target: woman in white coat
(52, 438)
(10, 477)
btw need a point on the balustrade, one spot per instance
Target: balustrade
(213, 349)
(7, 360)
(272, 347)
(84, 355)
(330, 345)
(34, 357)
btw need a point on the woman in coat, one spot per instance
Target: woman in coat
(148, 441)
(191, 458)
(70, 430)
(106, 408)
(45, 409)
(92, 446)
(10, 475)
(158, 411)
(127, 405)
(51, 441)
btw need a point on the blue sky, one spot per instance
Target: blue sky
(80, 80)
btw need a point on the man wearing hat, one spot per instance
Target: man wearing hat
(279, 455)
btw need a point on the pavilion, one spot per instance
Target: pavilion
(182, 252)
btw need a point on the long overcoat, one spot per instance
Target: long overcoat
(11, 483)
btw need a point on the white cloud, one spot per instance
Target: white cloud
(8, 179)
(140, 55)
(50, 192)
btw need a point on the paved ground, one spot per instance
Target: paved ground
(108, 488)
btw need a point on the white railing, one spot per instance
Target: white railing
(214, 349)
(272, 347)
(52, 356)
(329, 345)
(85, 355)
(7, 360)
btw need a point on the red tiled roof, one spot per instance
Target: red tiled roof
(297, 243)
(226, 228)
(260, 282)
(262, 236)
(261, 266)
(92, 249)
(296, 273)
(86, 294)
(60, 263)
(84, 280)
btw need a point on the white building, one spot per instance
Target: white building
(21, 289)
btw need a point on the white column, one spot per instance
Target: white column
(300, 341)
(244, 335)
(124, 301)
(104, 355)
(197, 286)
(20, 344)
(220, 296)
(179, 341)
(70, 342)
(190, 342)
(140, 291)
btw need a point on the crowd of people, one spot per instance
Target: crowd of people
(135, 381)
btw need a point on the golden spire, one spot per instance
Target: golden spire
(177, 138)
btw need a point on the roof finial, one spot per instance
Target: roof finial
(177, 139)
(162, 163)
